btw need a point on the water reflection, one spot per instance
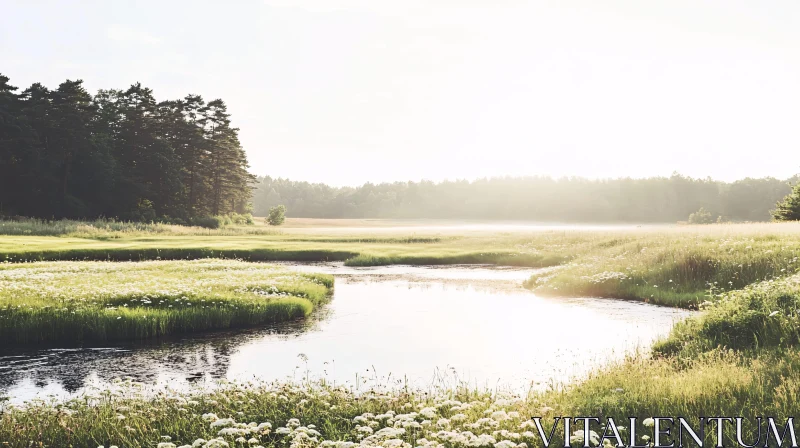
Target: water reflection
(390, 323)
(172, 361)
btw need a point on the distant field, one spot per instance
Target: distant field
(436, 226)
(672, 265)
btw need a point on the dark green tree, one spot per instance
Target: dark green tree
(789, 208)
(13, 157)
(64, 153)
(226, 175)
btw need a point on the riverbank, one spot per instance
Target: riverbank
(736, 359)
(385, 323)
(69, 303)
(676, 267)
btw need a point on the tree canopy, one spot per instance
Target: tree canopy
(66, 153)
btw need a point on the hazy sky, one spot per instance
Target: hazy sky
(349, 91)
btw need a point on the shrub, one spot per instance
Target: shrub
(277, 215)
(209, 222)
(701, 216)
(241, 219)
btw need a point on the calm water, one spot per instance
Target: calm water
(420, 325)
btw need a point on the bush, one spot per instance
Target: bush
(241, 219)
(277, 215)
(701, 216)
(209, 222)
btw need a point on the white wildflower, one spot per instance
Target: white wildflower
(428, 412)
(223, 422)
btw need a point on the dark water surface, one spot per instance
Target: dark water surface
(420, 325)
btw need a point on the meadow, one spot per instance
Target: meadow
(669, 265)
(96, 302)
(737, 358)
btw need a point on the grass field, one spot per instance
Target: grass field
(78, 302)
(737, 358)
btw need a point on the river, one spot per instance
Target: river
(395, 325)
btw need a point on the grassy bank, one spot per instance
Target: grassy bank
(354, 249)
(677, 266)
(737, 358)
(72, 302)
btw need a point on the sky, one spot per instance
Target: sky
(353, 91)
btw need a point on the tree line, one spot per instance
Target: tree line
(66, 153)
(651, 200)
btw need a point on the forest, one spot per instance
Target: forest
(650, 200)
(66, 153)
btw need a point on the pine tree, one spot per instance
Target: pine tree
(225, 173)
(64, 153)
(191, 148)
(12, 159)
(71, 114)
(151, 170)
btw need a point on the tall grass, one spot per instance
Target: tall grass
(677, 267)
(70, 303)
(738, 358)
(104, 229)
(764, 315)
